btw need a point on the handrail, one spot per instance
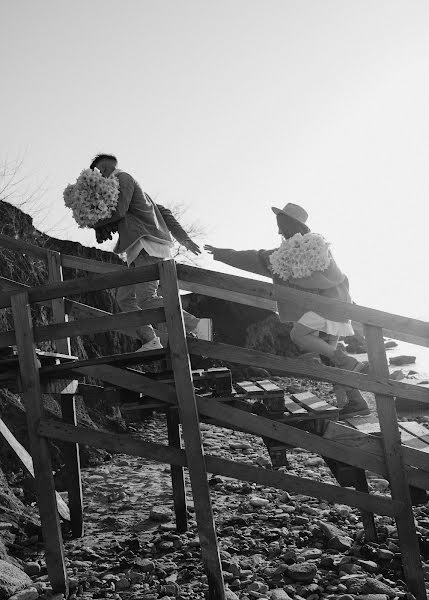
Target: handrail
(334, 309)
(238, 289)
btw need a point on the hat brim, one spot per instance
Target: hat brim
(276, 211)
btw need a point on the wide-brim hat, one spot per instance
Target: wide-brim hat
(293, 211)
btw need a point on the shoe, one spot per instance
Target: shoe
(153, 344)
(356, 404)
(342, 360)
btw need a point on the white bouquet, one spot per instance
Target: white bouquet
(300, 256)
(92, 198)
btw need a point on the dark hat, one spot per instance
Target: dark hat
(294, 211)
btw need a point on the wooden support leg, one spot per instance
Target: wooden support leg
(367, 517)
(72, 460)
(45, 488)
(191, 430)
(395, 466)
(177, 473)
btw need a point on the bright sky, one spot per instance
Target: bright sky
(231, 107)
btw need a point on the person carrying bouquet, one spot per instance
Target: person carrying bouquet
(304, 261)
(108, 199)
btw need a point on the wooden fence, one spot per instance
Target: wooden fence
(387, 456)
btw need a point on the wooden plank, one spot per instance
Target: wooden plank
(313, 404)
(27, 462)
(134, 446)
(366, 424)
(395, 466)
(86, 285)
(271, 388)
(90, 265)
(395, 335)
(72, 465)
(55, 273)
(249, 388)
(293, 407)
(417, 466)
(289, 366)
(177, 474)
(45, 488)
(416, 432)
(236, 418)
(191, 430)
(334, 309)
(367, 516)
(22, 247)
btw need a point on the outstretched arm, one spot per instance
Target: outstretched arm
(254, 261)
(177, 230)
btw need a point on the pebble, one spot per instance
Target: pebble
(302, 572)
(32, 568)
(29, 594)
(161, 513)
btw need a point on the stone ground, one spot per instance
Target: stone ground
(272, 544)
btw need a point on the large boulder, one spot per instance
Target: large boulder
(12, 580)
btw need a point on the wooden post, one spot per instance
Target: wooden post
(395, 465)
(191, 430)
(45, 488)
(177, 474)
(68, 407)
(367, 517)
(72, 462)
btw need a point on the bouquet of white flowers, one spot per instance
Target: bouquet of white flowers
(92, 198)
(300, 256)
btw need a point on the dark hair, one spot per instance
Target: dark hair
(289, 226)
(102, 157)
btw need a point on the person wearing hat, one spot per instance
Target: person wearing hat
(330, 282)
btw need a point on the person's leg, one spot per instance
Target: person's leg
(307, 339)
(129, 297)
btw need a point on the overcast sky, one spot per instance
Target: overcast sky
(231, 107)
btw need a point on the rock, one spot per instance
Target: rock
(122, 584)
(402, 360)
(145, 565)
(230, 595)
(390, 344)
(12, 580)
(257, 502)
(340, 542)
(28, 594)
(160, 513)
(32, 568)
(397, 375)
(369, 566)
(304, 572)
(378, 587)
(384, 554)
(279, 594)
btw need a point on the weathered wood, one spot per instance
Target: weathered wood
(44, 480)
(85, 284)
(313, 404)
(134, 446)
(271, 388)
(367, 516)
(27, 462)
(191, 430)
(293, 407)
(333, 309)
(249, 388)
(236, 418)
(55, 273)
(87, 264)
(177, 475)
(417, 432)
(72, 464)
(289, 366)
(395, 466)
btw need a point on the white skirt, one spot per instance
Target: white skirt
(314, 321)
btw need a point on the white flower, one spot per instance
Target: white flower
(92, 198)
(300, 256)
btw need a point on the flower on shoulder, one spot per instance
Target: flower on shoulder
(300, 256)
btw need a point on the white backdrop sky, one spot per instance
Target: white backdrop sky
(231, 107)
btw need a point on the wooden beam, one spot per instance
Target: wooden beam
(177, 474)
(72, 464)
(290, 366)
(89, 265)
(334, 309)
(395, 465)
(191, 430)
(27, 462)
(88, 326)
(134, 446)
(45, 488)
(85, 284)
(55, 273)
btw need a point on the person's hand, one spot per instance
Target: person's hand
(103, 233)
(210, 249)
(191, 246)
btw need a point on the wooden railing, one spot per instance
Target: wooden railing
(388, 458)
